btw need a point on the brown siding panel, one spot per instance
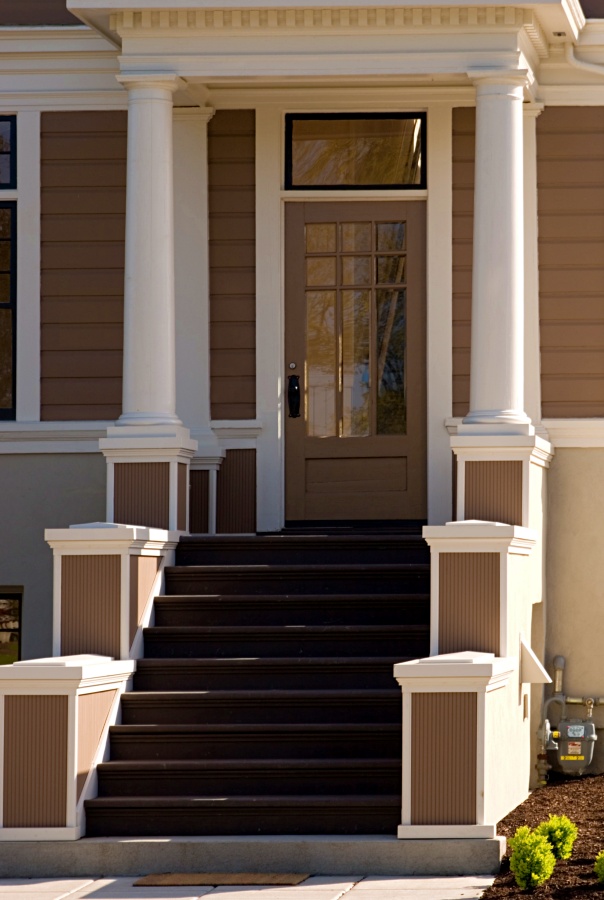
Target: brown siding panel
(198, 501)
(236, 493)
(182, 497)
(93, 710)
(443, 759)
(468, 602)
(90, 605)
(35, 761)
(231, 150)
(143, 571)
(83, 215)
(493, 491)
(142, 494)
(464, 127)
(35, 12)
(570, 173)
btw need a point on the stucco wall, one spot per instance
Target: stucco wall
(575, 577)
(41, 491)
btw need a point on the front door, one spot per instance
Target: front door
(355, 338)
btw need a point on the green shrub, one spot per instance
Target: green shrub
(532, 860)
(599, 866)
(561, 833)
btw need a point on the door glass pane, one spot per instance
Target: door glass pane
(356, 236)
(391, 269)
(356, 270)
(321, 238)
(4, 288)
(10, 628)
(356, 381)
(391, 349)
(390, 236)
(321, 363)
(6, 358)
(321, 270)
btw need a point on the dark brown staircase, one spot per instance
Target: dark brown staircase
(265, 703)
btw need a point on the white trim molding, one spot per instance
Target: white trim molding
(575, 432)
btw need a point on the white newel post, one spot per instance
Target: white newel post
(148, 451)
(149, 387)
(497, 361)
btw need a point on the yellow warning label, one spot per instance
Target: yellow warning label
(572, 757)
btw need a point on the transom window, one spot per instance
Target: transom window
(8, 154)
(356, 150)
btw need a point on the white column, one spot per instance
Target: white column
(149, 391)
(497, 361)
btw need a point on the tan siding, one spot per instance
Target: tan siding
(182, 497)
(83, 214)
(463, 223)
(468, 604)
(90, 605)
(570, 173)
(35, 761)
(143, 571)
(236, 493)
(198, 501)
(231, 149)
(493, 491)
(93, 710)
(443, 759)
(142, 494)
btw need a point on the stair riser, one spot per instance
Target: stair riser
(248, 782)
(160, 821)
(304, 582)
(170, 713)
(294, 678)
(183, 646)
(330, 746)
(299, 611)
(416, 552)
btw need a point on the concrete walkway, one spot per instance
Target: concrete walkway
(317, 887)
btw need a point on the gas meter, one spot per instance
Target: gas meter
(573, 739)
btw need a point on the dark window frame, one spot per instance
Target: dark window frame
(10, 413)
(13, 593)
(12, 184)
(290, 118)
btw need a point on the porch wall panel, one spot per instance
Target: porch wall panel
(464, 128)
(570, 173)
(83, 187)
(231, 155)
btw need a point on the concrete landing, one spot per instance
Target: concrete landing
(321, 855)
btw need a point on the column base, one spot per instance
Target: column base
(148, 475)
(496, 421)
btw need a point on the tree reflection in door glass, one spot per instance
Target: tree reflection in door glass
(321, 363)
(356, 306)
(391, 351)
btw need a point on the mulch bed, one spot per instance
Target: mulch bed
(582, 800)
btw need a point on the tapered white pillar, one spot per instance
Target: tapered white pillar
(149, 379)
(148, 451)
(497, 360)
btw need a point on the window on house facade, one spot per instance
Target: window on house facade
(10, 625)
(357, 150)
(8, 267)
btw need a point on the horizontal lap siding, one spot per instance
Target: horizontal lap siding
(463, 224)
(83, 221)
(570, 172)
(231, 150)
(35, 12)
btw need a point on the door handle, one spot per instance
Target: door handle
(293, 396)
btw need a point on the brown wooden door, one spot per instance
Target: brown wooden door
(355, 330)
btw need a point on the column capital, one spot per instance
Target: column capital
(151, 81)
(485, 78)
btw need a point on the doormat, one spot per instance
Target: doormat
(216, 879)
